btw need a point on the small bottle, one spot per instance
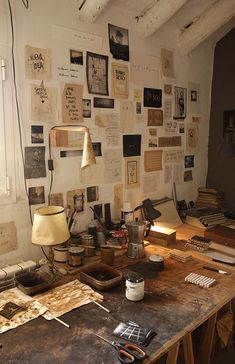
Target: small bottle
(134, 287)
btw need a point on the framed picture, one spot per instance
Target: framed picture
(119, 42)
(97, 73)
(132, 172)
(180, 102)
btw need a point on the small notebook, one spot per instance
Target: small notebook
(11, 309)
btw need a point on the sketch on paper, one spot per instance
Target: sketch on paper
(167, 63)
(35, 162)
(36, 195)
(97, 73)
(180, 102)
(118, 42)
(37, 63)
(43, 103)
(132, 172)
(76, 57)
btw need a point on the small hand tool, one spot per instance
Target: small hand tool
(127, 353)
(215, 269)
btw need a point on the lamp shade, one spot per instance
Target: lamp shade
(49, 226)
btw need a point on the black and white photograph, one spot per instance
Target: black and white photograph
(131, 145)
(86, 106)
(189, 161)
(152, 97)
(35, 162)
(180, 102)
(97, 73)
(97, 149)
(181, 128)
(103, 102)
(92, 193)
(76, 57)
(188, 176)
(37, 134)
(119, 42)
(36, 195)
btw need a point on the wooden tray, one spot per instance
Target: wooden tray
(100, 276)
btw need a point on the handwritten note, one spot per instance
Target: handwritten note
(37, 63)
(8, 237)
(72, 108)
(43, 103)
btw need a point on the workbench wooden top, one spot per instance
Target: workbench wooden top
(170, 306)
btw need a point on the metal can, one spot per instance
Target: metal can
(87, 240)
(76, 256)
(61, 254)
(134, 287)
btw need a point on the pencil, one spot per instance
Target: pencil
(98, 304)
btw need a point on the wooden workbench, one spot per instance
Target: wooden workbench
(170, 306)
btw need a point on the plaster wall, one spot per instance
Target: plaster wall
(34, 27)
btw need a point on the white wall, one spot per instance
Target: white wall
(34, 27)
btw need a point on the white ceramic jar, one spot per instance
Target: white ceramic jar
(134, 287)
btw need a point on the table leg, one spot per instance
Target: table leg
(207, 338)
(172, 354)
(188, 349)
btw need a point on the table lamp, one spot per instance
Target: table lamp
(49, 229)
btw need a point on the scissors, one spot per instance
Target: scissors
(127, 353)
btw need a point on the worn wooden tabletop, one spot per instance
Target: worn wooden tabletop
(170, 306)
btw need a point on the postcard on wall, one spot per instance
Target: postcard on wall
(144, 70)
(37, 63)
(188, 176)
(112, 159)
(181, 128)
(37, 136)
(137, 95)
(8, 237)
(118, 197)
(152, 137)
(192, 139)
(76, 57)
(171, 141)
(72, 105)
(56, 199)
(132, 172)
(167, 109)
(92, 193)
(171, 127)
(152, 160)
(43, 103)
(173, 156)
(126, 116)
(189, 161)
(194, 105)
(34, 162)
(86, 108)
(97, 73)
(120, 80)
(118, 42)
(131, 145)
(151, 182)
(168, 89)
(103, 103)
(180, 102)
(167, 62)
(152, 97)
(112, 130)
(155, 117)
(36, 195)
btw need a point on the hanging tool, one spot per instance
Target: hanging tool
(127, 353)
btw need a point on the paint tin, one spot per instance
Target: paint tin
(87, 240)
(76, 256)
(61, 254)
(134, 287)
(156, 263)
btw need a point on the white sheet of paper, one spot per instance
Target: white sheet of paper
(112, 165)
(112, 130)
(94, 174)
(144, 70)
(43, 103)
(126, 116)
(151, 183)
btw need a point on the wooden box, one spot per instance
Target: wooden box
(161, 236)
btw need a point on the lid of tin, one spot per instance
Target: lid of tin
(87, 237)
(134, 277)
(61, 248)
(156, 258)
(76, 250)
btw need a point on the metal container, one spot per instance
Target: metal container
(87, 240)
(76, 256)
(136, 234)
(61, 254)
(134, 287)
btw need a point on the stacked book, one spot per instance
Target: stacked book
(209, 197)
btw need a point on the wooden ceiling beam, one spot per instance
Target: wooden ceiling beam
(157, 15)
(89, 10)
(216, 15)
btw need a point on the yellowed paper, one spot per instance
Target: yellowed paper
(120, 81)
(144, 70)
(155, 117)
(64, 138)
(173, 156)
(152, 160)
(167, 63)
(132, 172)
(72, 194)
(138, 95)
(56, 199)
(72, 108)
(101, 120)
(43, 103)
(112, 159)
(93, 175)
(192, 138)
(171, 141)
(126, 116)
(37, 63)
(118, 196)
(8, 237)
(151, 182)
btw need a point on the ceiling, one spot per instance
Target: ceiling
(196, 19)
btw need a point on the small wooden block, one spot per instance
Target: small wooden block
(161, 236)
